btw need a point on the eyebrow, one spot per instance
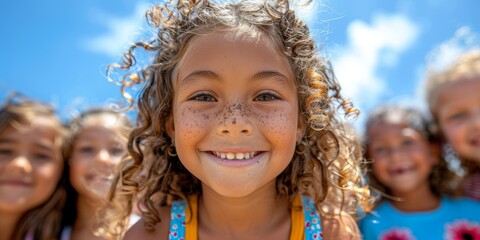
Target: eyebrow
(213, 76)
(39, 144)
(44, 146)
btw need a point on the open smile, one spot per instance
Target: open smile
(236, 159)
(400, 171)
(235, 156)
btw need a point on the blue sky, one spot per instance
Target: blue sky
(57, 51)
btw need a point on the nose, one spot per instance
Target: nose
(235, 120)
(20, 164)
(103, 158)
(476, 119)
(397, 154)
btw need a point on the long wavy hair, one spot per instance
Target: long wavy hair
(44, 222)
(443, 181)
(121, 127)
(325, 165)
(466, 66)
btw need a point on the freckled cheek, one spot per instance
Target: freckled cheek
(281, 125)
(190, 123)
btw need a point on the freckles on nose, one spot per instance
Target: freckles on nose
(231, 111)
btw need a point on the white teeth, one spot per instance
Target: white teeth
(235, 156)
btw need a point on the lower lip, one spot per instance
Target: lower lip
(236, 163)
(14, 183)
(401, 172)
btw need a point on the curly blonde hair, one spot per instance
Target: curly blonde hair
(466, 66)
(325, 164)
(43, 222)
(442, 180)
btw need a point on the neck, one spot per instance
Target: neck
(8, 222)
(255, 215)
(86, 217)
(420, 200)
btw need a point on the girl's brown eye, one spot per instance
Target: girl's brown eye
(203, 97)
(266, 97)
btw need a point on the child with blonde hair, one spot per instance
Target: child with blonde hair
(454, 100)
(242, 113)
(32, 179)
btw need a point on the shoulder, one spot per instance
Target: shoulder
(461, 202)
(161, 229)
(338, 224)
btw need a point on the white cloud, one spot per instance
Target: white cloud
(120, 32)
(445, 53)
(369, 47)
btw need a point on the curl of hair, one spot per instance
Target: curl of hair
(43, 221)
(324, 162)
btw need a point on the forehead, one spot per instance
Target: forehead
(98, 132)
(389, 128)
(226, 49)
(42, 127)
(105, 120)
(453, 91)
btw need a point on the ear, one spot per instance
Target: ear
(301, 127)
(170, 127)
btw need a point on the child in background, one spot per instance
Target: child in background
(454, 101)
(97, 143)
(32, 190)
(242, 111)
(418, 185)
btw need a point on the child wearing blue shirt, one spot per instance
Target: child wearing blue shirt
(417, 186)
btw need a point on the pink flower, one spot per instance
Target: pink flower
(463, 230)
(397, 234)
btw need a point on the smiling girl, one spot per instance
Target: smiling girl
(32, 192)
(242, 113)
(97, 143)
(419, 187)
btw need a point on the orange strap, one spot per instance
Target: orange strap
(297, 231)
(296, 216)
(191, 225)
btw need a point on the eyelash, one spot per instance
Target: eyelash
(201, 97)
(270, 95)
(207, 97)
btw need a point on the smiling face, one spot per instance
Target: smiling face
(30, 165)
(402, 158)
(96, 151)
(458, 113)
(235, 113)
